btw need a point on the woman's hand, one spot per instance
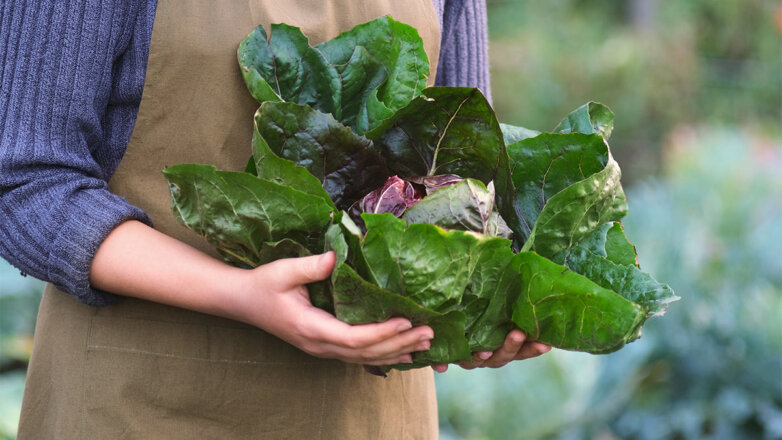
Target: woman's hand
(276, 300)
(138, 261)
(515, 348)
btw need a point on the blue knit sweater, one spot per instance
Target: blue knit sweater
(72, 76)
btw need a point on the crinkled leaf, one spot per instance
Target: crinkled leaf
(267, 165)
(394, 45)
(495, 282)
(357, 301)
(449, 130)
(360, 77)
(430, 263)
(627, 280)
(559, 307)
(467, 206)
(606, 257)
(286, 68)
(238, 212)
(344, 162)
(564, 187)
(590, 118)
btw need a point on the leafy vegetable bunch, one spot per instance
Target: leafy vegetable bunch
(436, 211)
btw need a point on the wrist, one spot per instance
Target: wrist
(232, 287)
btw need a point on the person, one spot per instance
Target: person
(142, 331)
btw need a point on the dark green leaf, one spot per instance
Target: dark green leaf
(565, 186)
(449, 130)
(286, 68)
(394, 45)
(269, 166)
(360, 77)
(345, 163)
(238, 212)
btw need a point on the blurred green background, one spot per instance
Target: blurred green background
(696, 86)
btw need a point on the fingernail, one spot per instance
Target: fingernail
(404, 326)
(407, 359)
(423, 346)
(484, 355)
(516, 339)
(426, 337)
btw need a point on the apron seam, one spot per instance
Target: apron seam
(192, 358)
(84, 379)
(322, 409)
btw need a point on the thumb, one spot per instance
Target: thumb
(303, 270)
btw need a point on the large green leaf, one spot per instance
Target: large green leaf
(430, 263)
(565, 186)
(360, 77)
(238, 212)
(268, 166)
(398, 48)
(467, 205)
(561, 308)
(286, 68)
(345, 163)
(495, 282)
(606, 257)
(448, 130)
(569, 181)
(357, 301)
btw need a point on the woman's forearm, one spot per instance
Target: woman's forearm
(138, 261)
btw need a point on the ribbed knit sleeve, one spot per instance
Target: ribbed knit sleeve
(464, 51)
(72, 76)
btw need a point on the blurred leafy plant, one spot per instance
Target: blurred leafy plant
(19, 298)
(714, 371)
(656, 63)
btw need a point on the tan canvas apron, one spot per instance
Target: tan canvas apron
(139, 370)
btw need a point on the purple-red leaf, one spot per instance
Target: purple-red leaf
(395, 196)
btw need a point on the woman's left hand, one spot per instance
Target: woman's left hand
(515, 348)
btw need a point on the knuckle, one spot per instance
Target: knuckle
(351, 341)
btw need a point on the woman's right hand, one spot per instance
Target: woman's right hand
(275, 299)
(136, 260)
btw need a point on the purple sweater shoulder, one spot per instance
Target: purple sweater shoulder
(71, 80)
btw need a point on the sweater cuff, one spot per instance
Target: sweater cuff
(94, 215)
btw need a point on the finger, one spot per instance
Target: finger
(402, 359)
(292, 272)
(417, 339)
(440, 368)
(513, 343)
(532, 349)
(330, 330)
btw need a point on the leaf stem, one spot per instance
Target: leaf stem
(445, 130)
